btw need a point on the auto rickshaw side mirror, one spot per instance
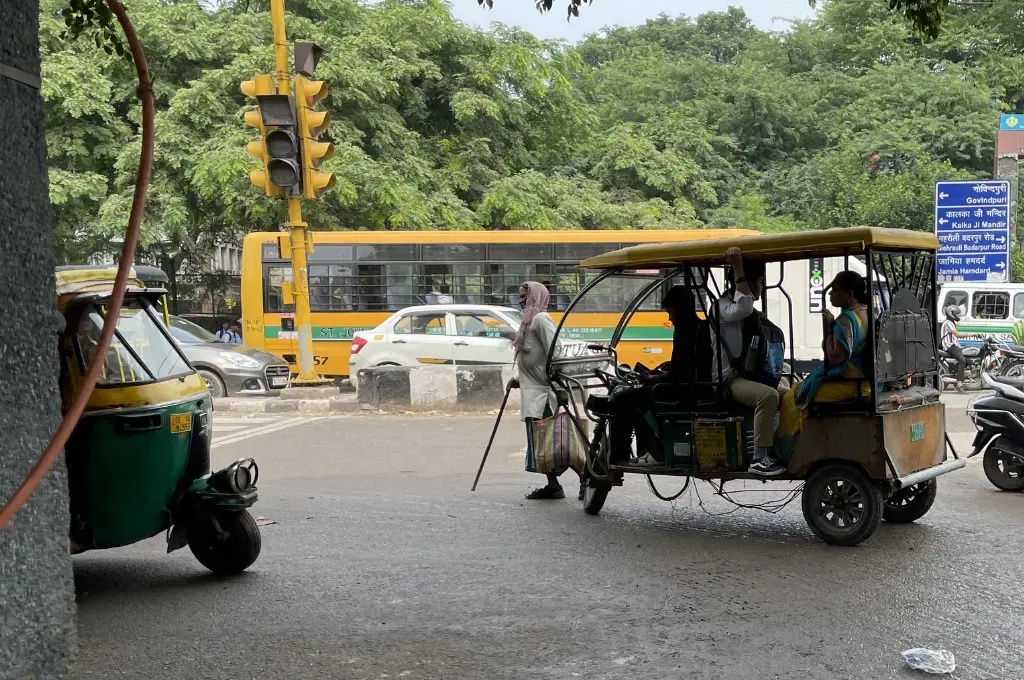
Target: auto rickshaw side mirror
(60, 323)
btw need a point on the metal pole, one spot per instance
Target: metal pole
(284, 85)
(296, 227)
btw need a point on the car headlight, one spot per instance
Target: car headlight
(240, 360)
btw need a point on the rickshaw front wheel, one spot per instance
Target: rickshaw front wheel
(594, 495)
(841, 504)
(232, 549)
(910, 504)
(596, 490)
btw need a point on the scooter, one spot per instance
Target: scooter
(1000, 421)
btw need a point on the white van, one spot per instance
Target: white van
(985, 308)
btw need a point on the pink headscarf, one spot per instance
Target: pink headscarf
(537, 298)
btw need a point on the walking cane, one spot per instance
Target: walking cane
(497, 421)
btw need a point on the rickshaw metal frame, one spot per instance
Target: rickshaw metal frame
(921, 280)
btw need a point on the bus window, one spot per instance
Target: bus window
(958, 299)
(991, 305)
(1018, 306)
(319, 288)
(506, 279)
(275, 275)
(370, 288)
(341, 286)
(401, 285)
(437, 278)
(566, 286)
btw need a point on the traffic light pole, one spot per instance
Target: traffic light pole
(296, 227)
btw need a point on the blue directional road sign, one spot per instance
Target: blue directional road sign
(972, 222)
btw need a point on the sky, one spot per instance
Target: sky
(764, 13)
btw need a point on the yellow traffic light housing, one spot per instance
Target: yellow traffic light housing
(311, 125)
(259, 85)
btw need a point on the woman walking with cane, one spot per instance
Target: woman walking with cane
(532, 343)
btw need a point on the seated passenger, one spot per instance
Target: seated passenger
(728, 314)
(843, 375)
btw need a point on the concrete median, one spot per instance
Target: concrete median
(426, 388)
(419, 389)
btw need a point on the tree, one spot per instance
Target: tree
(925, 15)
(676, 123)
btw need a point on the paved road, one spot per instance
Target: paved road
(382, 564)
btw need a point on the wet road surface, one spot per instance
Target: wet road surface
(382, 564)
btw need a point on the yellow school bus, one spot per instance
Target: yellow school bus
(357, 279)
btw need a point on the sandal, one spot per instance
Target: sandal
(546, 493)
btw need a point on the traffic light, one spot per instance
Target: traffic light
(311, 125)
(258, 86)
(284, 167)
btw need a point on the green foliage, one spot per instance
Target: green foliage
(925, 15)
(677, 123)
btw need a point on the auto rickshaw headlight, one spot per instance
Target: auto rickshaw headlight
(238, 477)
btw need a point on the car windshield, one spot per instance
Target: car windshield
(139, 351)
(514, 315)
(188, 333)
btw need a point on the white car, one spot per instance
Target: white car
(437, 334)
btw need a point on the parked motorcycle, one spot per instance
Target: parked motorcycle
(983, 358)
(999, 418)
(1011, 361)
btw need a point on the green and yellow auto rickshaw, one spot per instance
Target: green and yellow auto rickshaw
(139, 460)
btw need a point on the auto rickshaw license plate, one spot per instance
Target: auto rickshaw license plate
(181, 422)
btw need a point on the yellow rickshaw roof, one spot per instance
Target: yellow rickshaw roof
(769, 247)
(89, 279)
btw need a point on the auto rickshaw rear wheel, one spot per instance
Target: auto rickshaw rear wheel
(841, 504)
(229, 551)
(910, 504)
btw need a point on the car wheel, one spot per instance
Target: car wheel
(213, 383)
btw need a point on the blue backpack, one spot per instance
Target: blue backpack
(771, 351)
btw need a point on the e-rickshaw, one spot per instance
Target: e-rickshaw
(860, 461)
(139, 460)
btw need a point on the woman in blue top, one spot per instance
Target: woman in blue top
(844, 374)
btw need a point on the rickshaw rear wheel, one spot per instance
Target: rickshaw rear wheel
(841, 504)
(229, 552)
(910, 504)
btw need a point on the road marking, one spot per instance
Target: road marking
(276, 426)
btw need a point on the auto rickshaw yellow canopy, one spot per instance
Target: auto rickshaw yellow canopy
(768, 247)
(81, 279)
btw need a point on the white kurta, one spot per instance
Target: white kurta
(536, 393)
